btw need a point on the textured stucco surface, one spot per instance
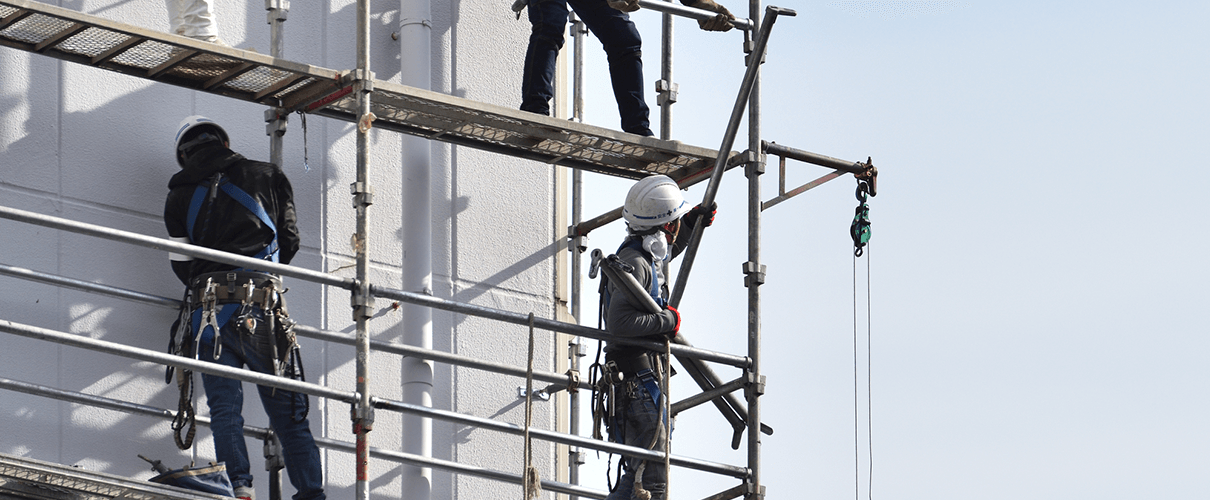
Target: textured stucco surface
(95, 146)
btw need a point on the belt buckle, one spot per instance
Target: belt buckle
(231, 277)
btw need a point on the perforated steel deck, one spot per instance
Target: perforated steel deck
(81, 38)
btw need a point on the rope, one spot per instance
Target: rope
(869, 388)
(184, 414)
(869, 380)
(531, 485)
(667, 420)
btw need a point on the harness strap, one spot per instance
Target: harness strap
(258, 210)
(247, 201)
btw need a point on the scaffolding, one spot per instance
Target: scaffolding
(355, 96)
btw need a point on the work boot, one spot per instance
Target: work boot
(245, 493)
(212, 39)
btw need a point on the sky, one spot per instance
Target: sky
(1029, 320)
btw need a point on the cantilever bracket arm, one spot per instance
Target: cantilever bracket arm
(862, 171)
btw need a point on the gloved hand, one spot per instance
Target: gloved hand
(624, 5)
(705, 217)
(676, 329)
(721, 22)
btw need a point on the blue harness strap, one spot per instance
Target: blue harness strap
(270, 252)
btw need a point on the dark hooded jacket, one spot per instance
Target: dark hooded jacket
(223, 223)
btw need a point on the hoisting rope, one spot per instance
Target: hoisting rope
(531, 485)
(869, 387)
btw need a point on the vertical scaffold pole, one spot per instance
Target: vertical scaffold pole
(362, 302)
(576, 348)
(275, 128)
(275, 117)
(754, 271)
(666, 89)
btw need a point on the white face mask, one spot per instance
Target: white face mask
(656, 245)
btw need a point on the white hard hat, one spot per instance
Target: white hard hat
(654, 201)
(191, 123)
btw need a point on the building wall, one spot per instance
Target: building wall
(95, 146)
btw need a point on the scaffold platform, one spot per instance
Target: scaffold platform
(294, 87)
(28, 479)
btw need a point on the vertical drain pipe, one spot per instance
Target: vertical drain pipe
(415, 35)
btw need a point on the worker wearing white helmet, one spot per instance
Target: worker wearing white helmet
(223, 201)
(654, 211)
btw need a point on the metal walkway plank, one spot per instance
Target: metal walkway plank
(92, 41)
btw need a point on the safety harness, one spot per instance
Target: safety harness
(213, 299)
(609, 385)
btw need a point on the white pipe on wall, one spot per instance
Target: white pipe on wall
(415, 60)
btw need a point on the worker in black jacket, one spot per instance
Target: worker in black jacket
(226, 202)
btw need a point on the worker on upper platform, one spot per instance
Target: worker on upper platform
(654, 210)
(194, 19)
(223, 201)
(607, 19)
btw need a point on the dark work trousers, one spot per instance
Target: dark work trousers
(226, 400)
(622, 44)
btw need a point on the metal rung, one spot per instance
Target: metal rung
(101, 43)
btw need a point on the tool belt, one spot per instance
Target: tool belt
(633, 362)
(248, 287)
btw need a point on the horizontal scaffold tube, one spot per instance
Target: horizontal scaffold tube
(261, 433)
(348, 284)
(181, 248)
(852, 167)
(606, 446)
(551, 325)
(557, 381)
(170, 359)
(690, 12)
(87, 286)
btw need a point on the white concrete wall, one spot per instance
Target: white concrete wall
(96, 146)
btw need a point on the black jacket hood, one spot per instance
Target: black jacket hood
(204, 163)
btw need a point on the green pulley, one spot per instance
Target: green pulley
(860, 228)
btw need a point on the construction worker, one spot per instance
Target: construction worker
(607, 19)
(221, 200)
(194, 19)
(654, 211)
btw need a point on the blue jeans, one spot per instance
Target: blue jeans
(637, 423)
(622, 44)
(226, 399)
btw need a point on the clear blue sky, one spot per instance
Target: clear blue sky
(1038, 265)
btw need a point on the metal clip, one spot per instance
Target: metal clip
(595, 265)
(210, 315)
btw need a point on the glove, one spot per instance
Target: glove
(721, 22)
(676, 329)
(705, 217)
(624, 5)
